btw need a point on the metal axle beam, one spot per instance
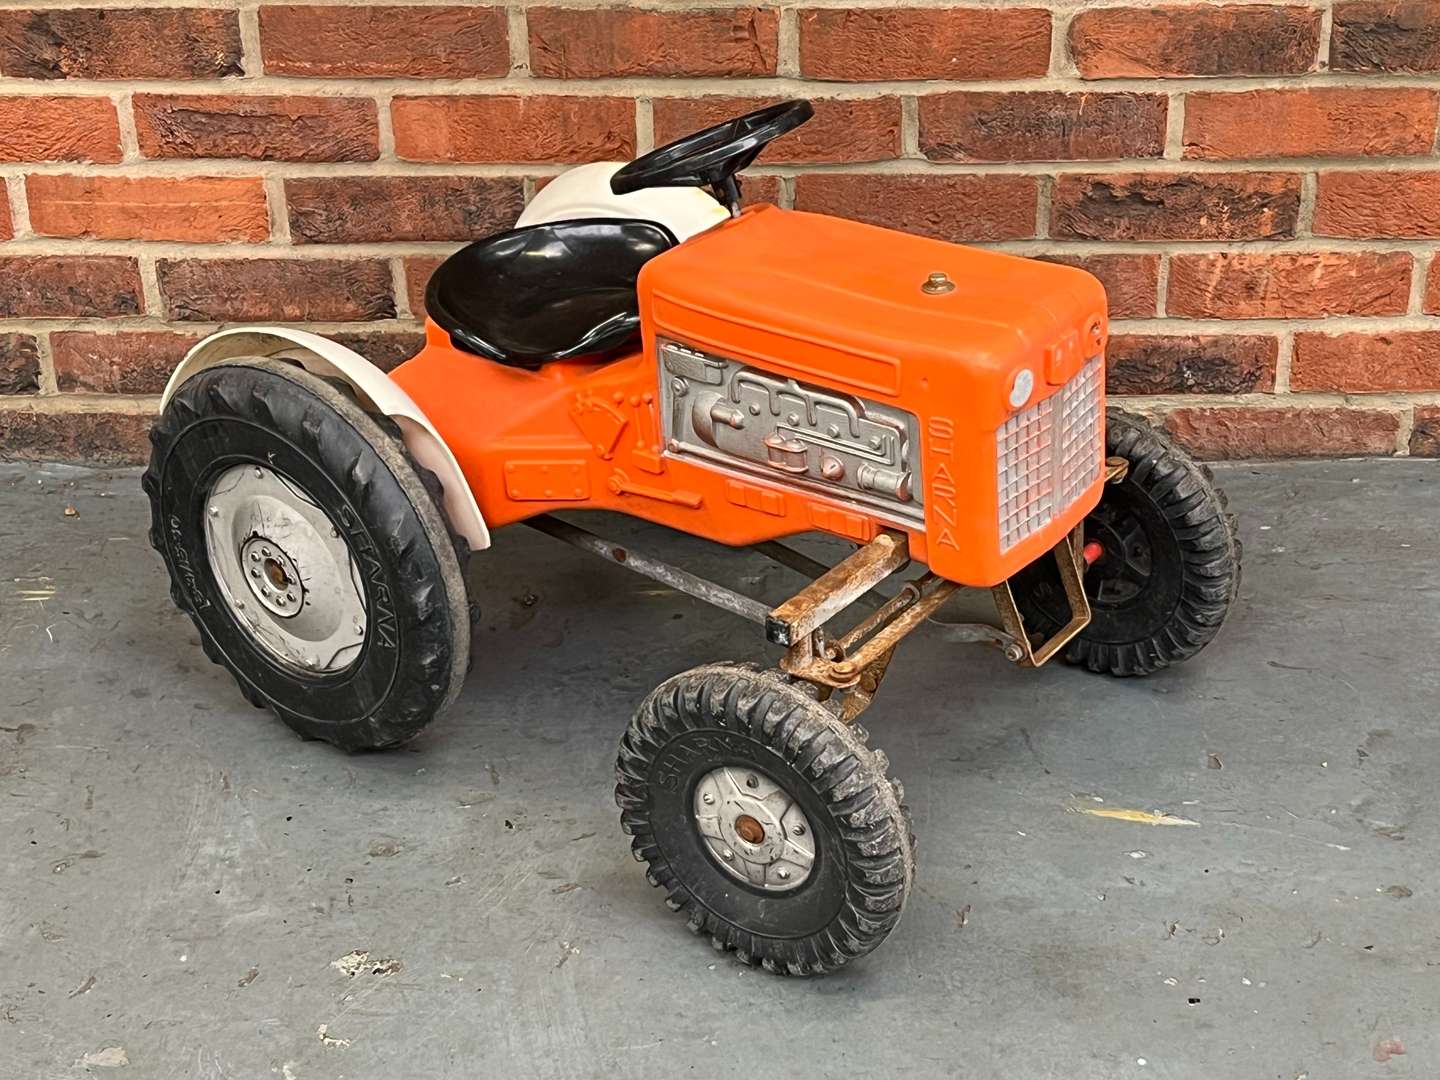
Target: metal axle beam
(655, 569)
(855, 661)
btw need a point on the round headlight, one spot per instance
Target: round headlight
(1022, 387)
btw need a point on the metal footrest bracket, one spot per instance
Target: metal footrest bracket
(1072, 577)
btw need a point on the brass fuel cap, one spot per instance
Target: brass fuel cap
(937, 283)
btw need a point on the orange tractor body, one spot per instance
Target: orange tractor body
(640, 344)
(823, 336)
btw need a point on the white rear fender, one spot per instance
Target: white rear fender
(584, 192)
(375, 390)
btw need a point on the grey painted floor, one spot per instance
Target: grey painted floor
(179, 875)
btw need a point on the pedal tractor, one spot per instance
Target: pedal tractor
(638, 343)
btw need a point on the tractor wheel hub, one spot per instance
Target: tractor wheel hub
(753, 828)
(285, 570)
(273, 578)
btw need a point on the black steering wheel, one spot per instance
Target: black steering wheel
(712, 157)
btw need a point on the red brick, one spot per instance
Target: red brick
(755, 190)
(1192, 39)
(1425, 435)
(7, 227)
(842, 130)
(959, 44)
(951, 207)
(58, 129)
(285, 290)
(418, 269)
(1361, 363)
(19, 365)
(597, 43)
(1131, 281)
(1308, 123)
(1386, 35)
(128, 362)
(1403, 205)
(418, 42)
(213, 208)
(514, 129)
(1308, 285)
(85, 438)
(1283, 433)
(69, 286)
(1175, 206)
(1041, 126)
(386, 350)
(1432, 289)
(1191, 363)
(259, 127)
(120, 43)
(366, 209)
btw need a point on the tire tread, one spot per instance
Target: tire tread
(851, 778)
(306, 411)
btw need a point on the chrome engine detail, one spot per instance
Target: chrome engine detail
(762, 423)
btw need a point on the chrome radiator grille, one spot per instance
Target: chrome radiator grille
(1048, 455)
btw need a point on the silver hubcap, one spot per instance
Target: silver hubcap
(285, 570)
(754, 829)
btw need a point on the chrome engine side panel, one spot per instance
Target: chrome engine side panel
(757, 422)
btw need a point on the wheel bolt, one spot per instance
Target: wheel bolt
(798, 830)
(259, 473)
(752, 781)
(239, 605)
(334, 531)
(265, 551)
(727, 854)
(214, 511)
(707, 799)
(783, 874)
(254, 556)
(254, 572)
(290, 596)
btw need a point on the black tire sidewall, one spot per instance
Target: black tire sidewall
(674, 773)
(1142, 616)
(202, 452)
(1149, 612)
(735, 714)
(244, 413)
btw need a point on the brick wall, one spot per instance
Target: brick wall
(1257, 184)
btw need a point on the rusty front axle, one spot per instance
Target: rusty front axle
(855, 661)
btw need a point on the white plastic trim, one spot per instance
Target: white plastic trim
(584, 192)
(376, 391)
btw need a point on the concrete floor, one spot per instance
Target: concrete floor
(182, 880)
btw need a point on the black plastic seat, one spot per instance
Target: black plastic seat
(546, 292)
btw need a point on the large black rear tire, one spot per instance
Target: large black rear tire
(392, 556)
(1170, 571)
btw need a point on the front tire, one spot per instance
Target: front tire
(767, 821)
(310, 552)
(1170, 571)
